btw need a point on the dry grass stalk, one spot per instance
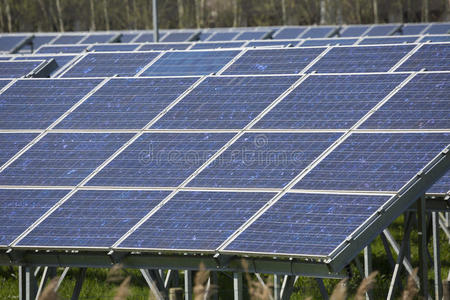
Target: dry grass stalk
(365, 286)
(49, 293)
(411, 289)
(256, 290)
(340, 291)
(115, 274)
(201, 290)
(124, 289)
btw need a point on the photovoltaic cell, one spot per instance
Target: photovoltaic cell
(289, 33)
(431, 57)
(3, 83)
(190, 63)
(208, 45)
(8, 42)
(110, 64)
(329, 101)
(160, 159)
(61, 60)
(442, 186)
(40, 40)
(21, 208)
(114, 47)
(126, 103)
(438, 28)
(196, 220)
(411, 29)
(128, 37)
(353, 31)
(375, 161)
(388, 40)
(16, 69)
(164, 46)
(307, 224)
(272, 43)
(98, 38)
(380, 30)
(68, 39)
(61, 49)
(326, 42)
(93, 218)
(225, 102)
(423, 103)
(223, 36)
(177, 37)
(37, 103)
(435, 38)
(361, 59)
(205, 35)
(251, 35)
(62, 159)
(273, 61)
(318, 32)
(264, 160)
(11, 143)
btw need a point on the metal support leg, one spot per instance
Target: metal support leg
(22, 287)
(152, 284)
(322, 289)
(61, 278)
(387, 249)
(237, 286)
(27, 283)
(422, 244)
(188, 285)
(79, 284)
(287, 287)
(44, 277)
(214, 285)
(276, 286)
(368, 268)
(436, 257)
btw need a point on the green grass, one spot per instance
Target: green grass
(97, 287)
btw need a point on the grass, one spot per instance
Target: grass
(121, 283)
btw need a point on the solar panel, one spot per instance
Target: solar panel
(11, 143)
(252, 35)
(160, 159)
(388, 40)
(128, 37)
(442, 186)
(438, 28)
(326, 42)
(196, 220)
(69, 39)
(289, 32)
(329, 101)
(307, 224)
(40, 40)
(204, 36)
(164, 46)
(37, 103)
(105, 64)
(379, 30)
(225, 102)
(411, 29)
(16, 69)
(375, 161)
(431, 57)
(20, 208)
(272, 43)
(361, 59)
(177, 37)
(354, 31)
(273, 61)
(264, 160)
(223, 36)
(93, 218)
(435, 38)
(61, 60)
(318, 32)
(208, 45)
(3, 83)
(61, 49)
(423, 103)
(126, 103)
(9, 42)
(5, 57)
(99, 38)
(113, 47)
(62, 159)
(190, 63)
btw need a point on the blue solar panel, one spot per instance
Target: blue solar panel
(35, 104)
(9, 42)
(272, 43)
(190, 63)
(164, 46)
(251, 35)
(223, 36)
(128, 37)
(361, 59)
(436, 38)
(208, 45)
(433, 57)
(289, 33)
(114, 47)
(160, 159)
(264, 160)
(61, 60)
(225, 102)
(62, 159)
(423, 103)
(68, 39)
(354, 31)
(375, 161)
(40, 40)
(93, 218)
(126, 103)
(98, 38)
(388, 40)
(11, 143)
(379, 30)
(145, 38)
(412, 29)
(273, 61)
(325, 42)
(318, 32)
(61, 49)
(204, 36)
(442, 186)
(16, 69)
(177, 37)
(20, 208)
(110, 64)
(3, 83)
(307, 224)
(329, 102)
(5, 57)
(438, 28)
(196, 220)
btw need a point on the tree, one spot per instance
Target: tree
(92, 27)
(60, 17)
(105, 12)
(424, 14)
(375, 11)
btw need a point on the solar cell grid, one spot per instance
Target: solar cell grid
(208, 45)
(17, 69)
(164, 46)
(353, 31)
(273, 43)
(251, 35)
(114, 47)
(40, 40)
(69, 39)
(9, 42)
(388, 40)
(98, 38)
(61, 49)
(379, 30)
(326, 42)
(438, 28)
(435, 38)
(289, 33)
(431, 57)
(318, 32)
(442, 186)
(61, 60)
(177, 37)
(223, 36)
(11, 143)
(410, 29)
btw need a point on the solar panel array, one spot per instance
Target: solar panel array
(232, 144)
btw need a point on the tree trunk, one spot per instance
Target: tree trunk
(60, 18)
(92, 15)
(180, 6)
(283, 12)
(358, 11)
(200, 13)
(127, 12)
(135, 14)
(105, 11)
(447, 10)
(2, 25)
(425, 6)
(375, 11)
(339, 17)
(323, 12)
(8, 15)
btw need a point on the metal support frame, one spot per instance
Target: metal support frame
(287, 287)
(188, 285)
(155, 21)
(47, 273)
(27, 283)
(322, 289)
(213, 286)
(276, 287)
(422, 244)
(152, 285)
(79, 284)
(436, 257)
(368, 267)
(237, 286)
